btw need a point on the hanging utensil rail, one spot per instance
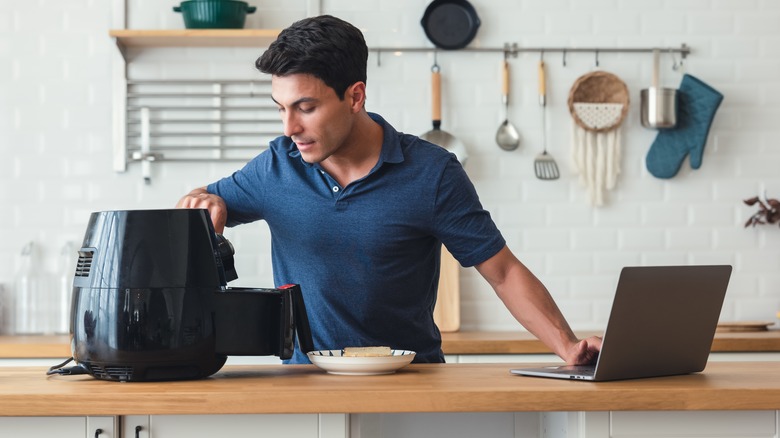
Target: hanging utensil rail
(209, 125)
(513, 49)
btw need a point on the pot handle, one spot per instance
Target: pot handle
(177, 9)
(251, 9)
(656, 67)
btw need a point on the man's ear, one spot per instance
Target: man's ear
(356, 93)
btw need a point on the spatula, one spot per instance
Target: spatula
(544, 165)
(437, 135)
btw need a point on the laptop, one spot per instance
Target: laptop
(662, 323)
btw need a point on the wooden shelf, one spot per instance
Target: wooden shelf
(195, 37)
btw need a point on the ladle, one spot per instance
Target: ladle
(507, 136)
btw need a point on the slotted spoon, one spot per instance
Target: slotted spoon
(545, 166)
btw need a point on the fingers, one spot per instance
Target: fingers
(219, 219)
(200, 198)
(197, 200)
(594, 342)
(592, 347)
(585, 351)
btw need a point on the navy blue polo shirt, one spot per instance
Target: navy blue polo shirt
(366, 255)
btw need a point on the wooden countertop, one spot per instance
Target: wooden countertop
(27, 391)
(526, 343)
(452, 343)
(33, 347)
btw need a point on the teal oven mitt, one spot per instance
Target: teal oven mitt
(696, 106)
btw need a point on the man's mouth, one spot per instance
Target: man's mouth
(303, 143)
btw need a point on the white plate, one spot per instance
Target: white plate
(334, 362)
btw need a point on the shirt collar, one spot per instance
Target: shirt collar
(391, 142)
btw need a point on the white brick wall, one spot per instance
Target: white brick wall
(55, 120)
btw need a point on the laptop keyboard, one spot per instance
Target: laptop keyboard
(580, 370)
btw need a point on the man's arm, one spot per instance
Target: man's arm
(531, 304)
(201, 198)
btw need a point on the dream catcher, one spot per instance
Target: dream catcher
(598, 103)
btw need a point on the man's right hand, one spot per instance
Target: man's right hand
(201, 198)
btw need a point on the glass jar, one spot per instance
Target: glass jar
(28, 289)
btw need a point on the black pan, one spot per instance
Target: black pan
(450, 24)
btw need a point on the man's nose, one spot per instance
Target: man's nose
(291, 125)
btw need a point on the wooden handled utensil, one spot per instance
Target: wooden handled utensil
(437, 135)
(545, 166)
(507, 136)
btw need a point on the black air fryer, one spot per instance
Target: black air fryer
(151, 302)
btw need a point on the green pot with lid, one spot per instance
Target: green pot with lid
(214, 14)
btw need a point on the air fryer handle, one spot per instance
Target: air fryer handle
(300, 318)
(224, 253)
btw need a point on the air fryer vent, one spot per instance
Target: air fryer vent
(112, 372)
(84, 264)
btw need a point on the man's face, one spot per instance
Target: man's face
(314, 117)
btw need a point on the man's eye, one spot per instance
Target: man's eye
(306, 110)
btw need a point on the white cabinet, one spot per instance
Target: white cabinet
(617, 424)
(59, 427)
(240, 425)
(447, 425)
(673, 424)
(622, 424)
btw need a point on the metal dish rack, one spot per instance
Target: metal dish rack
(198, 121)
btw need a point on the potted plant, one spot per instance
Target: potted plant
(768, 211)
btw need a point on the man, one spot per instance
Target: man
(358, 211)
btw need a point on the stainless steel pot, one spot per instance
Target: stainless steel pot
(658, 106)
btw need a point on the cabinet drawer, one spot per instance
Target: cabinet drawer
(689, 424)
(193, 426)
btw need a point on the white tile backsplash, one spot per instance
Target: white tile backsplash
(56, 166)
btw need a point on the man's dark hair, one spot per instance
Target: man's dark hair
(325, 47)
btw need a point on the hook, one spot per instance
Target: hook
(378, 58)
(684, 50)
(435, 68)
(675, 67)
(564, 57)
(597, 57)
(541, 56)
(506, 51)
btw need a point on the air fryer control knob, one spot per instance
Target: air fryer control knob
(225, 252)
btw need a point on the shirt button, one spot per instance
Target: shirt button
(335, 189)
